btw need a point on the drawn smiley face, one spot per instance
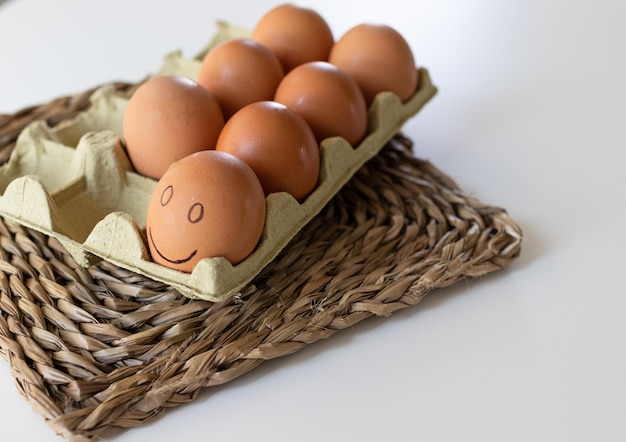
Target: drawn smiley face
(208, 204)
(194, 215)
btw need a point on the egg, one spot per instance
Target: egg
(327, 98)
(378, 58)
(207, 204)
(240, 71)
(168, 118)
(277, 144)
(296, 35)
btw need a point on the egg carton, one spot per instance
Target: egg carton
(74, 182)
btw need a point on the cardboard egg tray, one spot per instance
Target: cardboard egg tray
(74, 182)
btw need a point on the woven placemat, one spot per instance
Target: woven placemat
(95, 350)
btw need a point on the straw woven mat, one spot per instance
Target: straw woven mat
(100, 349)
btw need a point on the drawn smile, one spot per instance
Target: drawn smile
(173, 261)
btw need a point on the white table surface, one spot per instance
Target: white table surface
(530, 116)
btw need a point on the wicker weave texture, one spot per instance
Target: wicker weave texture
(100, 349)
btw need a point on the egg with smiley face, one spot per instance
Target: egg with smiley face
(207, 204)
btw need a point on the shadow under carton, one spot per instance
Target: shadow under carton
(74, 182)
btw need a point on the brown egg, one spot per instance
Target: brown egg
(295, 34)
(328, 99)
(168, 118)
(207, 204)
(378, 58)
(239, 72)
(277, 144)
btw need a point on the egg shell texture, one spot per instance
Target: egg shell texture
(327, 98)
(278, 145)
(169, 118)
(207, 204)
(378, 58)
(295, 34)
(239, 72)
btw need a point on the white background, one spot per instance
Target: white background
(530, 116)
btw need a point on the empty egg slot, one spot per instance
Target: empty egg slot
(102, 183)
(105, 113)
(37, 153)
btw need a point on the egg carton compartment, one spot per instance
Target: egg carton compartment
(74, 182)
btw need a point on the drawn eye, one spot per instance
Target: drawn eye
(167, 195)
(196, 212)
